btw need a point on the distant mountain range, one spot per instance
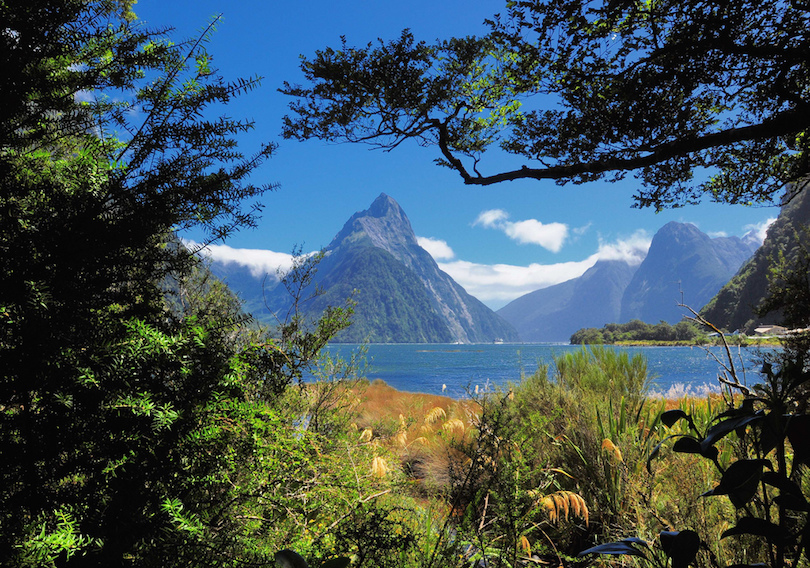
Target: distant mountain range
(402, 295)
(682, 266)
(734, 306)
(556, 312)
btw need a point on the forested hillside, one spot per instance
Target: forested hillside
(139, 416)
(740, 304)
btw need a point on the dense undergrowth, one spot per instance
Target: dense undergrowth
(534, 473)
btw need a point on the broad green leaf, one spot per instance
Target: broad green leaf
(757, 527)
(687, 445)
(772, 432)
(670, 417)
(721, 429)
(681, 546)
(740, 481)
(625, 546)
(289, 559)
(798, 432)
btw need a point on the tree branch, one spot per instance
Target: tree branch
(788, 122)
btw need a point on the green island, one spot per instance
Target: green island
(146, 421)
(684, 333)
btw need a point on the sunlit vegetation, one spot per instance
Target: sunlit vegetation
(145, 422)
(636, 331)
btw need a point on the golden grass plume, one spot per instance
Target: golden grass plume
(401, 438)
(561, 504)
(379, 467)
(453, 426)
(612, 450)
(435, 414)
(525, 545)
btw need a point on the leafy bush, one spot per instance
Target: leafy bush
(684, 331)
(760, 448)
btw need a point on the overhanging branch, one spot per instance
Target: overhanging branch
(789, 122)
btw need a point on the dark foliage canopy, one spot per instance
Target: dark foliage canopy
(117, 412)
(697, 99)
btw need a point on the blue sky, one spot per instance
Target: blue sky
(498, 242)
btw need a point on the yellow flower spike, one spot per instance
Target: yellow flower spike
(401, 438)
(435, 414)
(525, 545)
(379, 467)
(550, 506)
(612, 450)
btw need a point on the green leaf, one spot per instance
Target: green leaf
(721, 429)
(790, 494)
(687, 445)
(681, 546)
(740, 481)
(757, 527)
(670, 417)
(289, 559)
(772, 432)
(798, 432)
(625, 546)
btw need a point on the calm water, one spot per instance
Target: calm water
(425, 368)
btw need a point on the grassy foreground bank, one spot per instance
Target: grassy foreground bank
(531, 474)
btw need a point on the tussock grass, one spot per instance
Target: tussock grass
(388, 411)
(578, 433)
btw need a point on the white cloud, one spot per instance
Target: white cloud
(631, 250)
(579, 231)
(83, 96)
(491, 218)
(550, 236)
(494, 284)
(716, 234)
(260, 262)
(437, 248)
(498, 284)
(760, 230)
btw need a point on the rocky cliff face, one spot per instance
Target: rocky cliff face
(683, 266)
(402, 296)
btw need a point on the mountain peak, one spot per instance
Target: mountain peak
(384, 206)
(683, 266)
(377, 254)
(383, 225)
(679, 232)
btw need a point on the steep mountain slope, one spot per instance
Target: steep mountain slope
(402, 295)
(733, 306)
(393, 305)
(683, 265)
(556, 312)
